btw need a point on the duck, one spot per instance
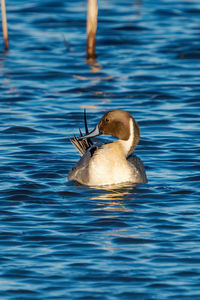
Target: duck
(111, 163)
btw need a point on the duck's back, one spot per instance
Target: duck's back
(103, 166)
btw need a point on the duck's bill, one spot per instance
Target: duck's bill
(91, 134)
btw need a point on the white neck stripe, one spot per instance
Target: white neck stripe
(128, 144)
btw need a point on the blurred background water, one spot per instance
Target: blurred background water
(62, 241)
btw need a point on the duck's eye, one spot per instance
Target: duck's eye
(107, 120)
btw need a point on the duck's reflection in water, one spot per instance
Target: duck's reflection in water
(113, 196)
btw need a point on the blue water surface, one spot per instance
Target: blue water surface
(63, 241)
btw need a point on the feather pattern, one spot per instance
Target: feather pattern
(82, 145)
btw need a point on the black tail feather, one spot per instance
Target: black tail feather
(85, 122)
(84, 144)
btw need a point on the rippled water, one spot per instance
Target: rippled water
(59, 240)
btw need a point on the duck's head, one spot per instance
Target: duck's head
(120, 124)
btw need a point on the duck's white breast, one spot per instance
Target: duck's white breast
(109, 166)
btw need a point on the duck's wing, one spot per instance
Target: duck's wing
(80, 172)
(138, 169)
(82, 145)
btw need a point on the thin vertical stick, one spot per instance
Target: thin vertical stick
(4, 24)
(91, 27)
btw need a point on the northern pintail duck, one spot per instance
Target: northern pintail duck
(110, 163)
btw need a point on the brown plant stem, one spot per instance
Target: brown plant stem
(4, 24)
(91, 28)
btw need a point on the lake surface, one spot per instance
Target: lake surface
(63, 241)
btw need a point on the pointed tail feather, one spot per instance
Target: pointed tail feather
(85, 122)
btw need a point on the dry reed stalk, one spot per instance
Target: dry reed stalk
(4, 24)
(91, 27)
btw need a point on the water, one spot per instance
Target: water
(60, 240)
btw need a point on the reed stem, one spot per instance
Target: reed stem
(4, 24)
(91, 28)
